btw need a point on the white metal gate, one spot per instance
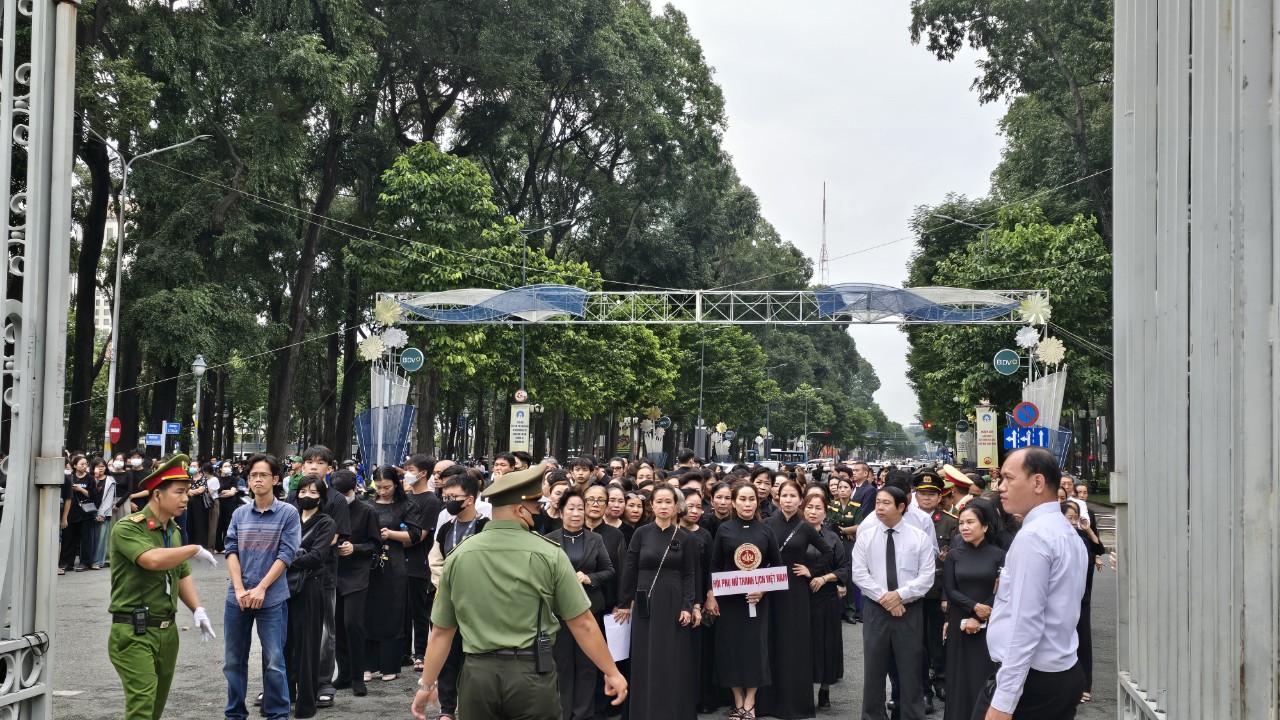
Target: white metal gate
(1196, 159)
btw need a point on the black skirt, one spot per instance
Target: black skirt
(790, 695)
(968, 666)
(742, 643)
(826, 635)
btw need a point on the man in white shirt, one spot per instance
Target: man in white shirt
(1032, 631)
(893, 565)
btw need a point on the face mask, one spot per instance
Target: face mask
(453, 507)
(117, 465)
(410, 478)
(226, 471)
(136, 462)
(308, 503)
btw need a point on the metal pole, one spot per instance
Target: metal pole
(195, 438)
(524, 260)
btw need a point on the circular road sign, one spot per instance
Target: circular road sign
(664, 422)
(1007, 362)
(521, 395)
(1026, 414)
(962, 426)
(114, 430)
(730, 435)
(411, 359)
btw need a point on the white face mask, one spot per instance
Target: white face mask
(136, 462)
(117, 465)
(410, 478)
(226, 470)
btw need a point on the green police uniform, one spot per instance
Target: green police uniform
(501, 588)
(145, 663)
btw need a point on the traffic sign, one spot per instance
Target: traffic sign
(664, 422)
(155, 439)
(114, 430)
(172, 428)
(962, 426)
(521, 395)
(1015, 438)
(1026, 414)
(411, 359)
(1007, 362)
(730, 435)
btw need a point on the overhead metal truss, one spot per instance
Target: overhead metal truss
(840, 304)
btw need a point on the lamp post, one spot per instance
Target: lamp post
(983, 228)
(115, 299)
(198, 367)
(524, 261)
(768, 436)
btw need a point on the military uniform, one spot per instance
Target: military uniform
(145, 663)
(843, 515)
(945, 527)
(500, 589)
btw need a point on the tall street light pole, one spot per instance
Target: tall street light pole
(115, 299)
(524, 261)
(198, 367)
(768, 430)
(983, 228)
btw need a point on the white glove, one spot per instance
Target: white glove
(206, 556)
(202, 623)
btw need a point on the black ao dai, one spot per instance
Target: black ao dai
(968, 579)
(742, 641)
(825, 606)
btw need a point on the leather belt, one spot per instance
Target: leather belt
(527, 653)
(162, 623)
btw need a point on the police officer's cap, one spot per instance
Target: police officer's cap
(173, 469)
(516, 487)
(956, 476)
(927, 480)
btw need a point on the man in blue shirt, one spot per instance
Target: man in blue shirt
(261, 541)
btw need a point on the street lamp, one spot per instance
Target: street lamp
(524, 261)
(198, 367)
(983, 228)
(768, 436)
(115, 309)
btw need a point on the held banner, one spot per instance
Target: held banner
(741, 582)
(519, 437)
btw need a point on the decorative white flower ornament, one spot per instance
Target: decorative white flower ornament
(1036, 310)
(1028, 337)
(395, 338)
(371, 348)
(387, 312)
(1051, 351)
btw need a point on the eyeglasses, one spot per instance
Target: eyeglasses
(456, 497)
(595, 501)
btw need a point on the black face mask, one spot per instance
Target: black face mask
(453, 507)
(308, 503)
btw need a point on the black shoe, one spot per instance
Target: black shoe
(928, 705)
(324, 698)
(358, 689)
(940, 689)
(849, 620)
(258, 701)
(342, 683)
(824, 700)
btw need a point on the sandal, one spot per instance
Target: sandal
(735, 714)
(62, 571)
(417, 664)
(390, 677)
(749, 714)
(1086, 697)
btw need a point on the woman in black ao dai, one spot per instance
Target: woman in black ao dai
(660, 565)
(742, 641)
(969, 582)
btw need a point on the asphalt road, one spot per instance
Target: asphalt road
(87, 688)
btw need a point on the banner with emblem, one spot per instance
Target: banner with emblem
(741, 582)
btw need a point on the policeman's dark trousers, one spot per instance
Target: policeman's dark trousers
(500, 688)
(417, 617)
(145, 665)
(885, 640)
(328, 646)
(576, 677)
(933, 645)
(1045, 695)
(302, 646)
(350, 643)
(449, 677)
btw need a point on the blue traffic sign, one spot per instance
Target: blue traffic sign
(155, 440)
(1015, 438)
(172, 428)
(1026, 414)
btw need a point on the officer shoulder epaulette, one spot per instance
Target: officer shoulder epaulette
(137, 517)
(547, 539)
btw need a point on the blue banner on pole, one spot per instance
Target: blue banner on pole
(399, 423)
(155, 439)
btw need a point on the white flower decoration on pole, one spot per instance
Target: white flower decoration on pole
(1036, 310)
(387, 312)
(1028, 337)
(371, 348)
(721, 427)
(395, 338)
(1051, 351)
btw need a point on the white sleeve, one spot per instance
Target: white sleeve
(860, 571)
(921, 583)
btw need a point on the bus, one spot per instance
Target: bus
(786, 457)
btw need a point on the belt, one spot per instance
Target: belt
(527, 653)
(162, 623)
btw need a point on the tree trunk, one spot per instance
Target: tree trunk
(562, 436)
(206, 415)
(354, 370)
(219, 409)
(128, 400)
(482, 429)
(164, 397)
(300, 292)
(80, 375)
(329, 425)
(229, 430)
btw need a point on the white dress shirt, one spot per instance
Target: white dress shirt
(912, 551)
(914, 517)
(1037, 605)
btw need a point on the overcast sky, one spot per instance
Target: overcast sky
(834, 91)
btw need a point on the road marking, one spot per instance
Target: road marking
(66, 693)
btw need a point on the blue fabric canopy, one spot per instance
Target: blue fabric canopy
(557, 299)
(869, 301)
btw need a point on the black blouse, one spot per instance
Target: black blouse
(969, 575)
(736, 532)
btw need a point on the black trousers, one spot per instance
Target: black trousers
(575, 676)
(350, 637)
(79, 539)
(302, 646)
(417, 616)
(448, 679)
(934, 648)
(1084, 631)
(892, 640)
(1045, 695)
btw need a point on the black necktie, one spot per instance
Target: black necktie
(890, 561)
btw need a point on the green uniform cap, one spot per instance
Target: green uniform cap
(928, 480)
(516, 487)
(175, 468)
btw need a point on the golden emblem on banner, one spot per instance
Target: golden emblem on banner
(747, 557)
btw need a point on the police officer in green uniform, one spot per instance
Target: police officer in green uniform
(504, 589)
(149, 574)
(929, 486)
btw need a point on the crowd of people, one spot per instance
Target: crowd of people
(339, 573)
